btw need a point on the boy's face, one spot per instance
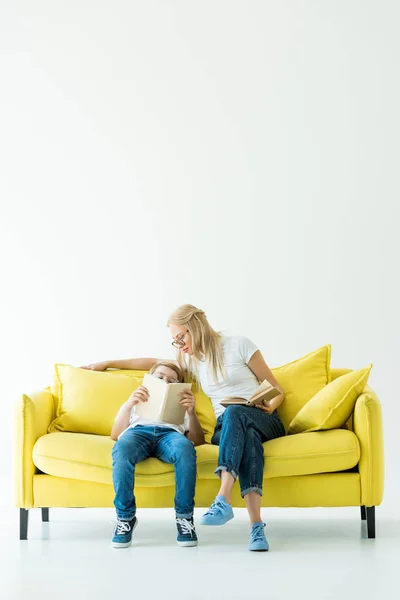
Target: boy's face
(167, 374)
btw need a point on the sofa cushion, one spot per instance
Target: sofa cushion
(301, 380)
(205, 413)
(332, 406)
(88, 401)
(88, 457)
(302, 454)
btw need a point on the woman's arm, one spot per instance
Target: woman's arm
(135, 364)
(261, 370)
(195, 433)
(124, 416)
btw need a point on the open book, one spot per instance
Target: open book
(263, 394)
(163, 403)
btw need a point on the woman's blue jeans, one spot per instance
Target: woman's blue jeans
(167, 445)
(240, 433)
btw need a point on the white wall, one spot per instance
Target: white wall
(241, 156)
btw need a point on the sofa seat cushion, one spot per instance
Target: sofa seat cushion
(299, 454)
(88, 457)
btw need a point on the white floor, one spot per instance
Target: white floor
(315, 553)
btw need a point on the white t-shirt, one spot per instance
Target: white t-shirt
(136, 420)
(242, 382)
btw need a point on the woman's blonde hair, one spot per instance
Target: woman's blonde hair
(171, 365)
(206, 343)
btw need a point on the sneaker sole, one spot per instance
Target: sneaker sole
(124, 544)
(121, 544)
(187, 544)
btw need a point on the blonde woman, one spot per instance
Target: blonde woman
(231, 366)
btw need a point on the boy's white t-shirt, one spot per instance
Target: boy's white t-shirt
(241, 382)
(135, 420)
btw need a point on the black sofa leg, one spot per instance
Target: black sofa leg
(23, 523)
(45, 515)
(363, 513)
(371, 521)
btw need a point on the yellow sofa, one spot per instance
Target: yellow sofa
(340, 467)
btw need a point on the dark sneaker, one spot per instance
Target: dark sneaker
(186, 532)
(123, 530)
(258, 542)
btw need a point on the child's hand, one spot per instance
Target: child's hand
(188, 401)
(139, 395)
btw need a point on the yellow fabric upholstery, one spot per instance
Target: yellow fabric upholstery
(299, 468)
(204, 407)
(205, 413)
(332, 406)
(88, 401)
(88, 457)
(333, 489)
(304, 454)
(367, 423)
(33, 414)
(301, 380)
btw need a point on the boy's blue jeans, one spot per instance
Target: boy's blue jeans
(164, 443)
(240, 433)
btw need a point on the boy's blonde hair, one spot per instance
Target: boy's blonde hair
(171, 365)
(206, 343)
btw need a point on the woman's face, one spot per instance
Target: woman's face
(182, 338)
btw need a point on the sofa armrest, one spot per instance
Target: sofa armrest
(367, 425)
(33, 415)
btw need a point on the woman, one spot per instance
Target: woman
(227, 366)
(231, 366)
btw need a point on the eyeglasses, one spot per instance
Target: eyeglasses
(165, 378)
(179, 342)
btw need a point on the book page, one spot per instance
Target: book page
(233, 400)
(264, 393)
(173, 411)
(152, 409)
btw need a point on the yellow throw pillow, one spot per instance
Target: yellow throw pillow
(205, 412)
(301, 380)
(204, 409)
(331, 407)
(88, 401)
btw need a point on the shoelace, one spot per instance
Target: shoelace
(122, 527)
(215, 508)
(186, 526)
(257, 533)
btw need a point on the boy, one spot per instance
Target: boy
(137, 439)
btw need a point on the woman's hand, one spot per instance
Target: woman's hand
(100, 366)
(188, 401)
(272, 404)
(141, 394)
(268, 408)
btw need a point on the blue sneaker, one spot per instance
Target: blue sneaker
(258, 541)
(219, 513)
(123, 530)
(186, 532)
